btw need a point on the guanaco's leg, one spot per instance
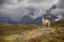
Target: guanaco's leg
(49, 24)
(43, 25)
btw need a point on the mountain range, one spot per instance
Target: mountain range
(28, 17)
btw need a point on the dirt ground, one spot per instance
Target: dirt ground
(26, 36)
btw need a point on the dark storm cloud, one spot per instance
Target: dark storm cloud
(59, 9)
(2, 1)
(38, 1)
(11, 8)
(6, 2)
(19, 0)
(9, 1)
(35, 1)
(60, 4)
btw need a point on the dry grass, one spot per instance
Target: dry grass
(31, 32)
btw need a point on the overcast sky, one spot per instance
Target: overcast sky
(11, 8)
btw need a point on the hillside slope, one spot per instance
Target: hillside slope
(59, 23)
(32, 32)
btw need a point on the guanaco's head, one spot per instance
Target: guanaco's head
(42, 17)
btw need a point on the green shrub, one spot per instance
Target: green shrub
(54, 40)
(57, 31)
(61, 36)
(44, 40)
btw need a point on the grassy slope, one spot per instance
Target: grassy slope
(59, 23)
(9, 29)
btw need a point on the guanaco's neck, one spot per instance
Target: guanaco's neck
(43, 18)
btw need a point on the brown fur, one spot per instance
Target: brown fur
(45, 21)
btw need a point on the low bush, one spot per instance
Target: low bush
(44, 40)
(54, 40)
(61, 36)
